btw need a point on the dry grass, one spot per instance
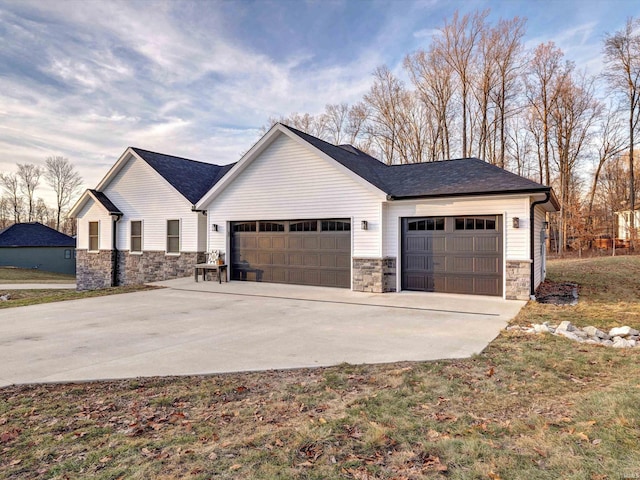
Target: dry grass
(30, 275)
(529, 407)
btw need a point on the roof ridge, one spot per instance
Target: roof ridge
(174, 156)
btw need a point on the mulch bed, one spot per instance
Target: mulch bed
(557, 293)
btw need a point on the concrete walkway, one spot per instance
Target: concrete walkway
(199, 328)
(37, 286)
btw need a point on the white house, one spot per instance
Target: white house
(624, 223)
(296, 209)
(139, 224)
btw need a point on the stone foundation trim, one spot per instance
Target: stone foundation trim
(376, 275)
(94, 270)
(518, 279)
(153, 266)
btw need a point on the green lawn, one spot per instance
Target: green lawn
(528, 407)
(30, 275)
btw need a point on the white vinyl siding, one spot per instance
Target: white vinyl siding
(290, 182)
(540, 216)
(141, 193)
(93, 212)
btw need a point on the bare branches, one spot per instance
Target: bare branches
(65, 182)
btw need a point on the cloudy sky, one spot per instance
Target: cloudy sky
(86, 79)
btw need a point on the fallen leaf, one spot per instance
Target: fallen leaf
(494, 476)
(15, 462)
(213, 456)
(322, 420)
(235, 466)
(597, 441)
(490, 372)
(582, 436)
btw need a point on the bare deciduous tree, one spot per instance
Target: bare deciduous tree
(29, 179)
(11, 184)
(65, 182)
(622, 57)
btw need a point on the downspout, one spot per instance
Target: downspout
(114, 269)
(532, 292)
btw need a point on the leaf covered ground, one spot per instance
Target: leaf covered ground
(529, 407)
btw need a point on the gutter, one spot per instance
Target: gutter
(466, 194)
(532, 291)
(114, 270)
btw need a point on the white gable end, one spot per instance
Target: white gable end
(288, 181)
(142, 194)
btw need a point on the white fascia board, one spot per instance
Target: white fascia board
(259, 147)
(113, 171)
(80, 203)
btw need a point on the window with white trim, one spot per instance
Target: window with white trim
(94, 243)
(136, 236)
(173, 236)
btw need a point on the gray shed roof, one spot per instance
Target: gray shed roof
(465, 176)
(34, 234)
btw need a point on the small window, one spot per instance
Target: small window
(136, 236)
(173, 236)
(271, 227)
(94, 244)
(335, 226)
(475, 223)
(428, 224)
(244, 227)
(311, 226)
(67, 254)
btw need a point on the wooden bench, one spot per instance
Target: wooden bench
(206, 267)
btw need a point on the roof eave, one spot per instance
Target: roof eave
(474, 194)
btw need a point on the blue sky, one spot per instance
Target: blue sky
(86, 79)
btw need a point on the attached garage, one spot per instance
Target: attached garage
(304, 252)
(461, 254)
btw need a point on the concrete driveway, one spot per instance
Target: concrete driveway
(199, 328)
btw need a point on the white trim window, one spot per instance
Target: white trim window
(173, 236)
(94, 236)
(135, 241)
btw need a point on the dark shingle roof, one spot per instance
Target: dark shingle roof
(189, 177)
(34, 234)
(106, 202)
(465, 176)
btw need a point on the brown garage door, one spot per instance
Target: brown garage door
(453, 254)
(303, 252)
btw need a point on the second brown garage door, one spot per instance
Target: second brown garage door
(303, 252)
(453, 254)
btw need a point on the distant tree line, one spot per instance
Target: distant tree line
(20, 204)
(476, 91)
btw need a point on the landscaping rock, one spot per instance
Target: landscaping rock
(623, 331)
(619, 342)
(626, 337)
(5, 298)
(566, 325)
(594, 332)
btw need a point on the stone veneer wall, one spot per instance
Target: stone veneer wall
(94, 269)
(518, 279)
(153, 266)
(375, 275)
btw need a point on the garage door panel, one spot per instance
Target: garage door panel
(463, 257)
(300, 257)
(327, 242)
(486, 244)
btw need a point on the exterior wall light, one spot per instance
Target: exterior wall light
(364, 225)
(516, 222)
(214, 227)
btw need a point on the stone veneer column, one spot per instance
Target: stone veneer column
(94, 270)
(375, 275)
(518, 281)
(154, 266)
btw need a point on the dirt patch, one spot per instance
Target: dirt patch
(557, 293)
